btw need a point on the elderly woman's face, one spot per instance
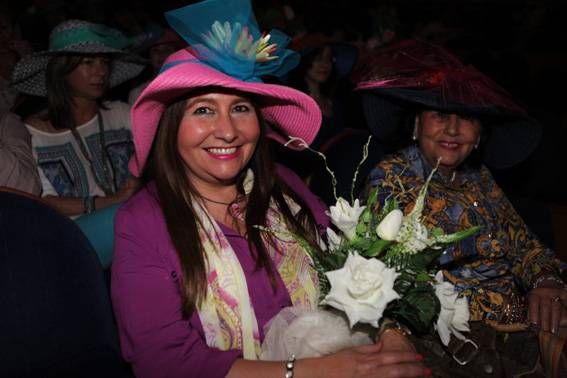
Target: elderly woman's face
(217, 138)
(447, 136)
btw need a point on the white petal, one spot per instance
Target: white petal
(390, 226)
(443, 332)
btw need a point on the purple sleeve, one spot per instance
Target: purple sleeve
(317, 206)
(154, 337)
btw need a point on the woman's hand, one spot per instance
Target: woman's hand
(373, 361)
(547, 306)
(127, 189)
(394, 341)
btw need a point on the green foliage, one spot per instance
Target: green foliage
(418, 308)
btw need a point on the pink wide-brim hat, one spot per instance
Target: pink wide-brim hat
(288, 112)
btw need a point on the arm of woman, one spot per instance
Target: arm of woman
(538, 269)
(17, 165)
(76, 205)
(364, 361)
(155, 337)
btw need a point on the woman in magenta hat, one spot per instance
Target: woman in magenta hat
(458, 120)
(195, 276)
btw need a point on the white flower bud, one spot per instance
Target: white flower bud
(345, 217)
(390, 226)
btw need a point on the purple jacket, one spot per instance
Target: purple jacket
(146, 293)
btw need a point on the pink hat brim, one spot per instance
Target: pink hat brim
(294, 113)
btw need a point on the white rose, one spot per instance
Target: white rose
(390, 226)
(345, 217)
(362, 288)
(454, 315)
(333, 239)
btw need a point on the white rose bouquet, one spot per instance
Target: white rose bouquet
(382, 263)
(378, 263)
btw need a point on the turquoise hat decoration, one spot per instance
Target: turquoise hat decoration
(226, 36)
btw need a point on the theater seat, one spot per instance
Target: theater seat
(55, 314)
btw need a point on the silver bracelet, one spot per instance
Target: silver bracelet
(289, 365)
(543, 278)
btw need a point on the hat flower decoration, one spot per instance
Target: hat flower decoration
(379, 263)
(230, 40)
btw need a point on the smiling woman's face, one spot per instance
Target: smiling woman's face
(217, 137)
(448, 136)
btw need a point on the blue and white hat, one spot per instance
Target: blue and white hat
(77, 37)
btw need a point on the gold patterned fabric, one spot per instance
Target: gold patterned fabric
(504, 259)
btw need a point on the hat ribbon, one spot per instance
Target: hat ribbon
(168, 65)
(95, 33)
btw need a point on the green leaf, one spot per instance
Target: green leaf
(372, 198)
(457, 236)
(422, 260)
(377, 247)
(436, 232)
(366, 217)
(418, 308)
(404, 283)
(423, 277)
(360, 244)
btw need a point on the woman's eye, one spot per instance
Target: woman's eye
(241, 108)
(203, 110)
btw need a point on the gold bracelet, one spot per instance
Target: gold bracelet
(393, 326)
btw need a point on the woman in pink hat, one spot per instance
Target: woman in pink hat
(195, 275)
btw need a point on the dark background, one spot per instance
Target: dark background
(521, 44)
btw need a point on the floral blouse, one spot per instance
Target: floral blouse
(504, 259)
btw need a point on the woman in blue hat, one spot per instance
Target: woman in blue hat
(81, 143)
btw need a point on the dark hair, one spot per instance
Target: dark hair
(175, 193)
(59, 99)
(297, 76)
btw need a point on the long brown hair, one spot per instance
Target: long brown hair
(175, 193)
(59, 99)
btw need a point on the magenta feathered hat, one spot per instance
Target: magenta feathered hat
(233, 54)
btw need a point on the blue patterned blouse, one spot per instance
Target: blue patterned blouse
(503, 260)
